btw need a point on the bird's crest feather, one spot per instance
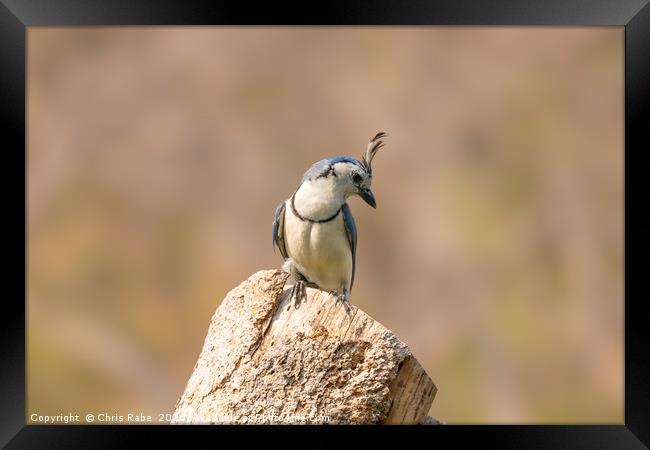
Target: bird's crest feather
(371, 150)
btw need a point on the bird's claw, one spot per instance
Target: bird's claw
(343, 298)
(298, 293)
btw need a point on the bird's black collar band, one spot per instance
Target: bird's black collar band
(306, 219)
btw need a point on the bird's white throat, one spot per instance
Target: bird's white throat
(319, 199)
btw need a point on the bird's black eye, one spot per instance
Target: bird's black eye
(356, 178)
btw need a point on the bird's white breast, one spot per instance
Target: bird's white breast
(321, 251)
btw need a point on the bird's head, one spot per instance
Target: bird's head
(346, 176)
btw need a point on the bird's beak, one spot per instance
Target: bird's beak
(367, 196)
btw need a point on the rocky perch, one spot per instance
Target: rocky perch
(264, 361)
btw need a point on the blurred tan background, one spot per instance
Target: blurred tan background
(157, 156)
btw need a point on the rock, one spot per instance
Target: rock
(264, 361)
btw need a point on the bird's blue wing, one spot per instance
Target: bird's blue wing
(351, 230)
(278, 230)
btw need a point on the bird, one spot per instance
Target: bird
(314, 228)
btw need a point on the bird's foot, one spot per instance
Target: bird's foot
(344, 298)
(298, 293)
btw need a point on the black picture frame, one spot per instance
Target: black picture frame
(634, 15)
